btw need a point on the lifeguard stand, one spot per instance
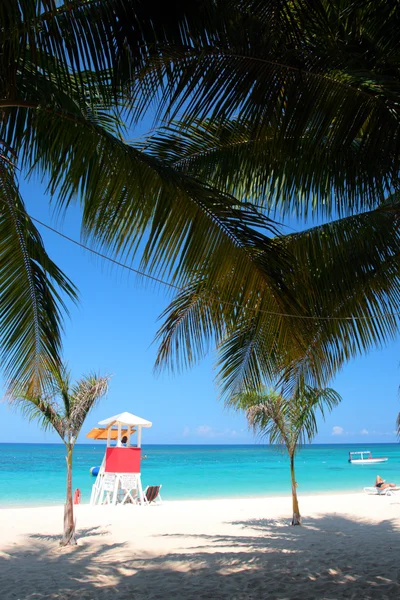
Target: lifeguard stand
(119, 478)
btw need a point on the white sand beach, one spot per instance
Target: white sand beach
(348, 547)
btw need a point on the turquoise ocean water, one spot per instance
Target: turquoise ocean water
(34, 474)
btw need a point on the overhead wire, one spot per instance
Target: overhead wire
(226, 302)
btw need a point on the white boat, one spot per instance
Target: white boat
(365, 458)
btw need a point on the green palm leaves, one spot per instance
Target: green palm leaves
(290, 422)
(63, 408)
(61, 92)
(342, 298)
(290, 106)
(313, 85)
(31, 293)
(65, 405)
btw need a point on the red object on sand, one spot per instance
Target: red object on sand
(77, 496)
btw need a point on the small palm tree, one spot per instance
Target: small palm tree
(287, 421)
(66, 417)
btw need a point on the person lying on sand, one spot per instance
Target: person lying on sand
(381, 484)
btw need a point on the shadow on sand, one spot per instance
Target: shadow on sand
(265, 559)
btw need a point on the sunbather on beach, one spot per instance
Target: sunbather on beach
(381, 483)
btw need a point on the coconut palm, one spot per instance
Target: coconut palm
(62, 89)
(293, 105)
(290, 104)
(64, 409)
(287, 421)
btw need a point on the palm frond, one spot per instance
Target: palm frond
(304, 409)
(298, 98)
(32, 292)
(288, 180)
(289, 421)
(353, 277)
(140, 198)
(266, 412)
(321, 77)
(61, 386)
(197, 311)
(44, 410)
(66, 405)
(345, 276)
(84, 395)
(322, 88)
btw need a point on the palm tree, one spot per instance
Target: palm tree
(315, 88)
(66, 416)
(65, 73)
(287, 421)
(289, 104)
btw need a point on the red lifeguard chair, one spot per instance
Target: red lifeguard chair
(118, 480)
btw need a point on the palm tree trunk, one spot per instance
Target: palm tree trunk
(69, 524)
(296, 519)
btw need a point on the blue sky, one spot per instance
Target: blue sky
(112, 331)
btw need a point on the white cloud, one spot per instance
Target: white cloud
(204, 430)
(209, 432)
(364, 431)
(186, 431)
(336, 430)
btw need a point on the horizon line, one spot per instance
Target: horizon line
(100, 442)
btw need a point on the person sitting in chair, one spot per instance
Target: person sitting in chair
(381, 483)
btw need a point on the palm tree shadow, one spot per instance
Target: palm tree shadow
(85, 532)
(330, 557)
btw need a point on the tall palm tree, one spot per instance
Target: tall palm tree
(64, 409)
(287, 421)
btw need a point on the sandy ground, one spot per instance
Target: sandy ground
(348, 547)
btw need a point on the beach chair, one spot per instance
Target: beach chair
(152, 494)
(129, 489)
(389, 491)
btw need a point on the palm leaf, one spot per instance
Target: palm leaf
(84, 395)
(290, 421)
(66, 405)
(43, 409)
(233, 157)
(32, 291)
(143, 199)
(321, 77)
(345, 279)
(306, 87)
(266, 413)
